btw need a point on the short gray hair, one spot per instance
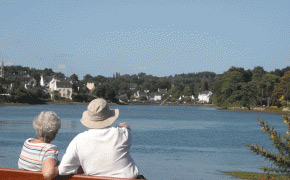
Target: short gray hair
(46, 125)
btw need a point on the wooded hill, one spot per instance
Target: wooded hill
(235, 87)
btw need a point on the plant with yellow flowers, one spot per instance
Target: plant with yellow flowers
(281, 158)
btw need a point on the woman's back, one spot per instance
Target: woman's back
(33, 154)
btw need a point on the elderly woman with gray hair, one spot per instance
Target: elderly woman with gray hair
(38, 154)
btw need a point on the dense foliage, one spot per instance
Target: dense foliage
(234, 88)
(249, 88)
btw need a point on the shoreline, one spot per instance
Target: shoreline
(237, 109)
(266, 110)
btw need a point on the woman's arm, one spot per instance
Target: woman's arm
(49, 168)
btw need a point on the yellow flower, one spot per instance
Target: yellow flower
(286, 122)
(272, 137)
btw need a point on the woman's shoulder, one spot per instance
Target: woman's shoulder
(28, 143)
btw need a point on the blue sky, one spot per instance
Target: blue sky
(158, 37)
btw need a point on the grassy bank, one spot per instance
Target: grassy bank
(256, 176)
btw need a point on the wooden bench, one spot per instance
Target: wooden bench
(17, 174)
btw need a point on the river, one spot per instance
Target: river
(169, 142)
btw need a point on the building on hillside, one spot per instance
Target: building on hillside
(2, 70)
(64, 88)
(184, 97)
(138, 94)
(146, 90)
(46, 81)
(91, 86)
(155, 97)
(204, 96)
(29, 82)
(192, 97)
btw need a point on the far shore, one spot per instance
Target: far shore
(261, 110)
(239, 109)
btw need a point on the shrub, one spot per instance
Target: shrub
(280, 159)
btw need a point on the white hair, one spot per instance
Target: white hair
(46, 125)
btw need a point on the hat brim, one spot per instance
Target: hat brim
(88, 122)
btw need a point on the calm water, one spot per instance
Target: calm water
(169, 142)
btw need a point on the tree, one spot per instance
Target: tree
(269, 81)
(204, 85)
(282, 91)
(74, 78)
(187, 91)
(21, 95)
(106, 92)
(87, 78)
(228, 89)
(249, 98)
(280, 158)
(174, 93)
(56, 95)
(2, 90)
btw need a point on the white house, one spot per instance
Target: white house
(183, 97)
(91, 86)
(203, 97)
(157, 97)
(192, 97)
(64, 88)
(29, 82)
(46, 81)
(140, 93)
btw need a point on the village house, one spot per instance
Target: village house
(46, 81)
(154, 97)
(139, 93)
(183, 97)
(157, 97)
(204, 96)
(146, 90)
(64, 88)
(29, 82)
(91, 86)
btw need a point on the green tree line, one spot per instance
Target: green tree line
(238, 87)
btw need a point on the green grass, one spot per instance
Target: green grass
(256, 176)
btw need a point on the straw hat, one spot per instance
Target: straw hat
(99, 115)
